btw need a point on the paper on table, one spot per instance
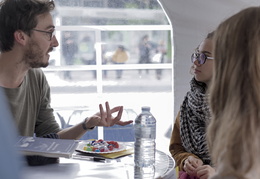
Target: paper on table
(46, 146)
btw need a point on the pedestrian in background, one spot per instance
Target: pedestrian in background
(144, 52)
(159, 57)
(69, 50)
(120, 57)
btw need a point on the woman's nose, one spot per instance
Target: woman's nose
(196, 62)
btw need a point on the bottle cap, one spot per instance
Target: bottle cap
(146, 108)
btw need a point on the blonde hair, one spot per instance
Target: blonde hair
(234, 131)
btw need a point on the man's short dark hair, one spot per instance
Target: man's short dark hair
(20, 15)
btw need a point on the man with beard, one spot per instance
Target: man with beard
(26, 39)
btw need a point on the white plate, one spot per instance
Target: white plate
(82, 144)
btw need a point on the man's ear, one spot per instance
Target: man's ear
(20, 37)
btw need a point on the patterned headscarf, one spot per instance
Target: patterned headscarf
(194, 117)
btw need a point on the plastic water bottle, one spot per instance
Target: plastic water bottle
(145, 134)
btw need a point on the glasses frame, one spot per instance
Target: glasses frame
(51, 34)
(197, 56)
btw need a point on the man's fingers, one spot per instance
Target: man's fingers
(115, 120)
(115, 109)
(123, 123)
(119, 115)
(107, 118)
(101, 111)
(108, 110)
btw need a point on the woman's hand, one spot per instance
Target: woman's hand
(205, 171)
(191, 164)
(105, 118)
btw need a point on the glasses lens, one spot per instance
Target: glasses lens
(52, 34)
(193, 58)
(200, 57)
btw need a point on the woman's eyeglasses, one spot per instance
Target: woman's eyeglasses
(50, 34)
(201, 57)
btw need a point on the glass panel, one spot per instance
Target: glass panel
(110, 12)
(84, 71)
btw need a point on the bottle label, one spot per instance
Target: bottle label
(145, 131)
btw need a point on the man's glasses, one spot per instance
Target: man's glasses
(201, 57)
(50, 34)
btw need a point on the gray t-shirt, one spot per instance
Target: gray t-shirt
(30, 105)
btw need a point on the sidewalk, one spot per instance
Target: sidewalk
(131, 81)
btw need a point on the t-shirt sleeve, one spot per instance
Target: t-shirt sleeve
(45, 122)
